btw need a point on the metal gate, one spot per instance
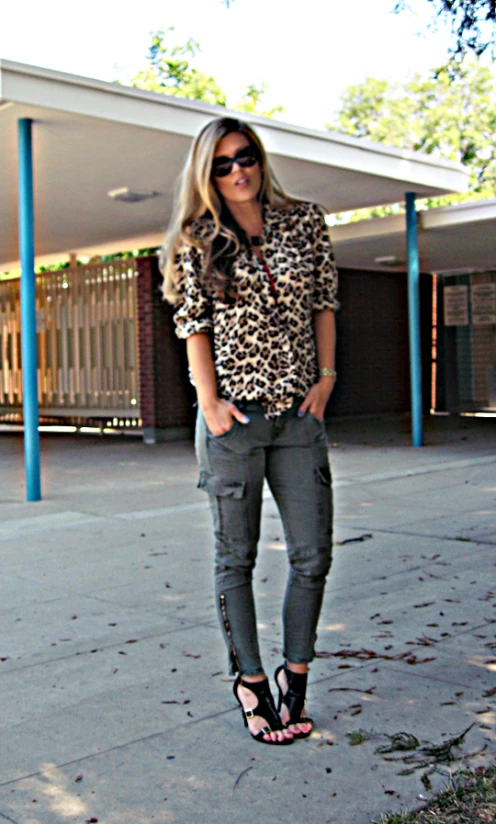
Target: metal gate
(466, 343)
(86, 324)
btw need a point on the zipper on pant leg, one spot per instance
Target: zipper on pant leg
(232, 649)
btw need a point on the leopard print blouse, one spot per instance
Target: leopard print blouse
(264, 348)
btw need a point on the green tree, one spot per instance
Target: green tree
(253, 102)
(450, 114)
(472, 23)
(169, 71)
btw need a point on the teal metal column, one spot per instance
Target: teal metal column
(28, 312)
(414, 319)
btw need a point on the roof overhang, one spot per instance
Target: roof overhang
(91, 137)
(451, 239)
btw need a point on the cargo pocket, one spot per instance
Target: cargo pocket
(228, 499)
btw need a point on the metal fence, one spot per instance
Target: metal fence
(86, 324)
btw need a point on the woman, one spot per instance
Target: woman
(252, 275)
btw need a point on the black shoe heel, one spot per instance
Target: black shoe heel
(294, 698)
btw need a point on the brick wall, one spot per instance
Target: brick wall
(166, 397)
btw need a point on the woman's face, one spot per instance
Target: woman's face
(241, 184)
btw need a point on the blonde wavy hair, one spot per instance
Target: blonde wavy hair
(197, 197)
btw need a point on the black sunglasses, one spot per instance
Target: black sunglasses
(223, 166)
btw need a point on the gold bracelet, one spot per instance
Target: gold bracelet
(325, 372)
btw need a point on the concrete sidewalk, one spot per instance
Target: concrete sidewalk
(115, 706)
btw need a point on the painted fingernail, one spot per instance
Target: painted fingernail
(246, 419)
(300, 413)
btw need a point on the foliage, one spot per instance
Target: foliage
(252, 101)
(58, 267)
(450, 114)
(469, 798)
(169, 71)
(472, 23)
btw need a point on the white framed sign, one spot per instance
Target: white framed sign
(483, 296)
(456, 305)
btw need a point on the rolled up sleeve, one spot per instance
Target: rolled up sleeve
(193, 310)
(326, 273)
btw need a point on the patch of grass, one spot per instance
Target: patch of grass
(470, 798)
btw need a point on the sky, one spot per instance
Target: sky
(306, 51)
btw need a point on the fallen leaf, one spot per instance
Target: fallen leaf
(413, 660)
(359, 539)
(368, 691)
(400, 741)
(240, 776)
(359, 736)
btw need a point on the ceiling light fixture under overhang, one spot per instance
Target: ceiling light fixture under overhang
(389, 260)
(127, 195)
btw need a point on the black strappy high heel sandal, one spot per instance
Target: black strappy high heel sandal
(265, 709)
(294, 698)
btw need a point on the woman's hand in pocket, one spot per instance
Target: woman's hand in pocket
(317, 397)
(220, 416)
